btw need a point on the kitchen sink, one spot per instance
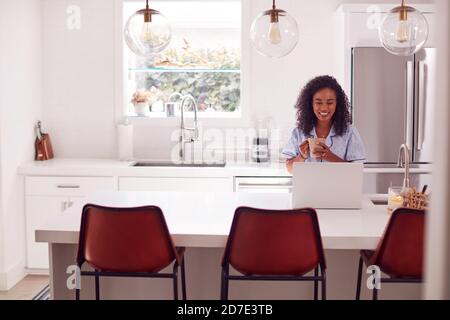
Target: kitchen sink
(380, 202)
(174, 164)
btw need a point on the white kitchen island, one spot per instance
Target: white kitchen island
(201, 223)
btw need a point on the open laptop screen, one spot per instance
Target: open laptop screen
(327, 185)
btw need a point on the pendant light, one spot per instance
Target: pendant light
(403, 31)
(147, 32)
(274, 33)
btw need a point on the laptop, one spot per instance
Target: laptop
(327, 185)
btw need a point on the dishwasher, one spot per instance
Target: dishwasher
(263, 184)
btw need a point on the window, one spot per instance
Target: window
(203, 58)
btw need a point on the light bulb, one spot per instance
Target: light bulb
(403, 33)
(274, 33)
(147, 35)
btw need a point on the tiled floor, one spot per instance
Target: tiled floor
(25, 289)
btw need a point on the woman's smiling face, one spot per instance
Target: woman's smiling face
(324, 104)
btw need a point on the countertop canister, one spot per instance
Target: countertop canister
(125, 141)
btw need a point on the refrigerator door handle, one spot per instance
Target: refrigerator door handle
(409, 103)
(420, 106)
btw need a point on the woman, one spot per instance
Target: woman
(323, 111)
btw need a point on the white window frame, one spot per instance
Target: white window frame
(240, 118)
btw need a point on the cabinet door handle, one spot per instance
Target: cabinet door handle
(409, 104)
(421, 105)
(64, 205)
(68, 186)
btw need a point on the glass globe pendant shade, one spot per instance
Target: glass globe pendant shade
(403, 31)
(147, 32)
(274, 33)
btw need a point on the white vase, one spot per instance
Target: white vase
(141, 109)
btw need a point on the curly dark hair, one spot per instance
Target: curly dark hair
(306, 119)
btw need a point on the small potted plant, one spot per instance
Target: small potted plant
(142, 100)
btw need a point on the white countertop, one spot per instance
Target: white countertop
(204, 219)
(111, 167)
(108, 167)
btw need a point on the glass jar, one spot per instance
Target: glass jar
(395, 198)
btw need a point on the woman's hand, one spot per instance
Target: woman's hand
(323, 152)
(304, 154)
(304, 150)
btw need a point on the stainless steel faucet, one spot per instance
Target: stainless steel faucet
(403, 161)
(193, 132)
(175, 95)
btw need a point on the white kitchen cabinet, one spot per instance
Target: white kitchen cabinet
(192, 184)
(66, 186)
(45, 198)
(40, 209)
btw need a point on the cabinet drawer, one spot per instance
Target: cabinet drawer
(67, 186)
(263, 184)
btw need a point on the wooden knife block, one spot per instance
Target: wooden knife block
(44, 150)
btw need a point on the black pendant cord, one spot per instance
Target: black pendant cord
(147, 7)
(273, 5)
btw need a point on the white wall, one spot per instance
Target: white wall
(79, 92)
(79, 78)
(20, 107)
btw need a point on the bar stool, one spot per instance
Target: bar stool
(274, 245)
(400, 251)
(127, 242)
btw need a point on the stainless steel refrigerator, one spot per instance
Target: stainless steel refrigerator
(393, 103)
